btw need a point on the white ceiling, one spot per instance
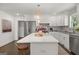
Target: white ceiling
(30, 8)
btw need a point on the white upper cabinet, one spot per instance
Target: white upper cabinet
(59, 21)
(78, 8)
(66, 21)
(53, 21)
(44, 19)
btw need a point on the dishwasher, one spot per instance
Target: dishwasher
(74, 44)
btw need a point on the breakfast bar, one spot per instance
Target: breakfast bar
(41, 45)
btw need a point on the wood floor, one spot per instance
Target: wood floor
(11, 49)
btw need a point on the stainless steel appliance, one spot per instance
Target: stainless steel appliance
(26, 27)
(74, 43)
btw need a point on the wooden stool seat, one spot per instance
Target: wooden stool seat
(22, 47)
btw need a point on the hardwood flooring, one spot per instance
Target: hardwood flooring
(11, 49)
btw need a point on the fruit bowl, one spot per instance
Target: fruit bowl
(39, 34)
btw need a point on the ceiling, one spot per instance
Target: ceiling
(30, 8)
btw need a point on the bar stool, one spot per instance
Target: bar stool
(22, 48)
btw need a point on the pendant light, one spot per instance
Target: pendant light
(38, 13)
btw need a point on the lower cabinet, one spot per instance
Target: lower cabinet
(66, 41)
(62, 38)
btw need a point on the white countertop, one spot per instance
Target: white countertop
(32, 38)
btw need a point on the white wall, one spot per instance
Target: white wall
(6, 37)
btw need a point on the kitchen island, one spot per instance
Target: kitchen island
(44, 45)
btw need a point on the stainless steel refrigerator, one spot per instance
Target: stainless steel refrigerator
(26, 27)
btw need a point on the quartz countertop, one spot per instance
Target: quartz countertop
(32, 38)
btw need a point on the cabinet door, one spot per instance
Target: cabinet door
(44, 20)
(53, 21)
(59, 21)
(66, 20)
(66, 41)
(62, 20)
(61, 38)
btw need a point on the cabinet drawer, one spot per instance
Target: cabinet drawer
(44, 48)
